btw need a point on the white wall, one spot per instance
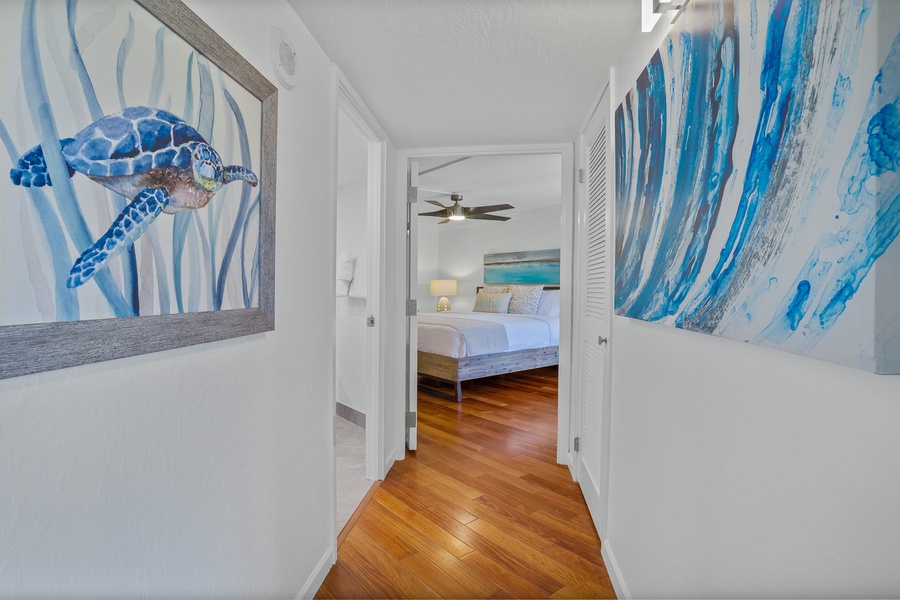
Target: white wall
(428, 260)
(204, 471)
(352, 239)
(742, 471)
(461, 249)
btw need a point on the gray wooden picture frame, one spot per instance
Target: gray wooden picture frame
(26, 349)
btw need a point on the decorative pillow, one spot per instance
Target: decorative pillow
(549, 304)
(525, 299)
(492, 303)
(495, 289)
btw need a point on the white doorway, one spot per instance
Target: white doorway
(415, 166)
(590, 416)
(358, 208)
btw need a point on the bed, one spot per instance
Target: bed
(460, 346)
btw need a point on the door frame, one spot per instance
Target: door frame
(566, 152)
(600, 513)
(348, 101)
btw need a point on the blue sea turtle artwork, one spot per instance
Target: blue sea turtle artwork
(150, 156)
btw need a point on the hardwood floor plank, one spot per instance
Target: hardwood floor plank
(481, 510)
(441, 536)
(342, 583)
(452, 506)
(392, 578)
(388, 538)
(539, 560)
(509, 579)
(436, 554)
(440, 581)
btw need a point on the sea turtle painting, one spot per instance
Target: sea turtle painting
(150, 156)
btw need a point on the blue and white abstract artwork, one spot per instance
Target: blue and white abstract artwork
(528, 266)
(757, 187)
(120, 143)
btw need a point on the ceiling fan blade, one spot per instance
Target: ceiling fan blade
(444, 221)
(480, 210)
(437, 213)
(488, 217)
(436, 203)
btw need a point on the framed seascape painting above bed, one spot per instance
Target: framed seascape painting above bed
(138, 187)
(514, 325)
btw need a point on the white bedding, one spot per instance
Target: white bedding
(522, 331)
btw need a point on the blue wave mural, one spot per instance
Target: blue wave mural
(81, 67)
(528, 266)
(756, 178)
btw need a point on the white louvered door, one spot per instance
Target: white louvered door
(593, 311)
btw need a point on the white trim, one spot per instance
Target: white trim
(431, 152)
(612, 568)
(317, 577)
(351, 104)
(595, 103)
(331, 342)
(389, 462)
(566, 150)
(595, 485)
(357, 109)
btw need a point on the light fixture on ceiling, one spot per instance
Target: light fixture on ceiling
(458, 212)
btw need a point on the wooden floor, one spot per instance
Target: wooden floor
(480, 510)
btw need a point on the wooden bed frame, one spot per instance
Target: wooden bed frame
(456, 370)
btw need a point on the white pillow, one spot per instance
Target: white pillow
(495, 289)
(549, 304)
(525, 299)
(492, 303)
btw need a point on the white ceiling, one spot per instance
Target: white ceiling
(527, 182)
(474, 72)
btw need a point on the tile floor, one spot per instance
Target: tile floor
(350, 452)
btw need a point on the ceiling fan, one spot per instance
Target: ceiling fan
(458, 212)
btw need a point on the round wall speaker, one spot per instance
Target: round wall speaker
(284, 58)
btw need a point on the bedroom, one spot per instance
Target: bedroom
(514, 208)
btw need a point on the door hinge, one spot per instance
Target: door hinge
(580, 175)
(411, 419)
(370, 322)
(412, 308)
(412, 194)
(576, 445)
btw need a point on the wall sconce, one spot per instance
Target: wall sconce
(443, 288)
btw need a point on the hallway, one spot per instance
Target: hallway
(480, 510)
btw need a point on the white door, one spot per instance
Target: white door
(363, 299)
(592, 310)
(412, 270)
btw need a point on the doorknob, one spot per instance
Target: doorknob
(601, 340)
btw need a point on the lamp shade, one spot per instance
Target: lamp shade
(443, 287)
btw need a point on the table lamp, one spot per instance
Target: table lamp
(443, 288)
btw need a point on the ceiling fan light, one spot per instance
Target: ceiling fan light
(457, 213)
(457, 217)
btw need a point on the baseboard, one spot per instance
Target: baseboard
(350, 414)
(388, 463)
(318, 575)
(612, 567)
